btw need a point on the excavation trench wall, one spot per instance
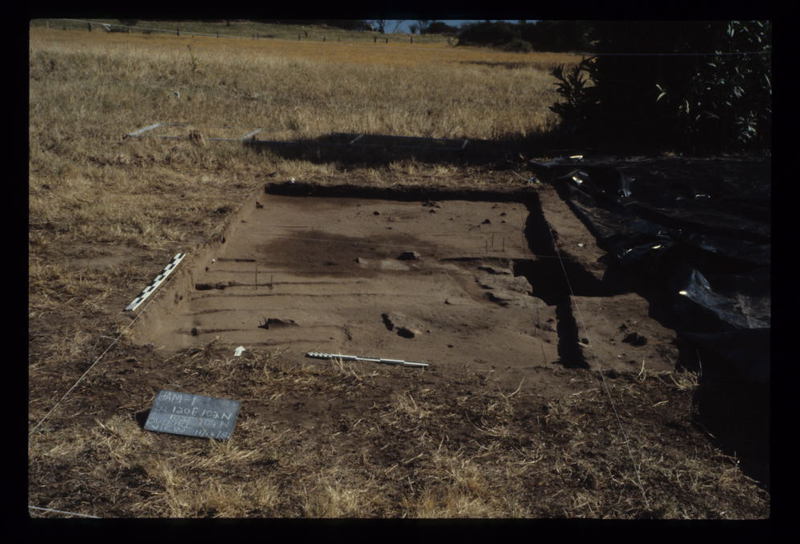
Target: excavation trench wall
(452, 277)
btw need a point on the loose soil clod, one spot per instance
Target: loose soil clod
(274, 323)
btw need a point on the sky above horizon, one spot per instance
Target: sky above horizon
(404, 25)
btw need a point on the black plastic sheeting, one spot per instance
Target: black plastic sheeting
(699, 239)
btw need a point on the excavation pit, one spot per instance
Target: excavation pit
(432, 276)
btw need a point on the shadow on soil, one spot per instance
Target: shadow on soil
(506, 65)
(733, 410)
(372, 150)
(737, 414)
(141, 417)
(556, 278)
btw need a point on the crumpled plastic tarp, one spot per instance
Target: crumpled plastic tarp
(702, 240)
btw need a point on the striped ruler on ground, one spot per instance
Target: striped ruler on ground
(318, 355)
(155, 283)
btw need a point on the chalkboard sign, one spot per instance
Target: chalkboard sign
(192, 415)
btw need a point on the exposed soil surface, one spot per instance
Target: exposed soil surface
(450, 278)
(502, 291)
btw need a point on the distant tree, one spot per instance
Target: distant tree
(557, 35)
(423, 25)
(541, 35)
(379, 25)
(488, 33)
(302, 22)
(348, 24)
(439, 27)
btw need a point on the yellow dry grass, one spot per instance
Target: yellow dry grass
(293, 89)
(398, 54)
(106, 212)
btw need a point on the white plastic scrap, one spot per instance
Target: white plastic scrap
(238, 352)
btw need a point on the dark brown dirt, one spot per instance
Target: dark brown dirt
(511, 391)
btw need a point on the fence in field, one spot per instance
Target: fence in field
(302, 34)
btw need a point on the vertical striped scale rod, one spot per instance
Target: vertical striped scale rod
(150, 289)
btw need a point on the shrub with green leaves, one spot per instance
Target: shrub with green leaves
(576, 109)
(730, 96)
(690, 85)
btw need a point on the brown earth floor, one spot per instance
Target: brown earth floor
(447, 281)
(510, 419)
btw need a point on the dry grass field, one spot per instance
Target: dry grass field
(107, 212)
